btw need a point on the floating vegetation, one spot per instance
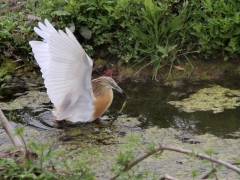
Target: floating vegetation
(215, 98)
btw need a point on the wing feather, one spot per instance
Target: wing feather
(67, 72)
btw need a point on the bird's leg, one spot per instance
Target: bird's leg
(112, 121)
(54, 119)
(119, 112)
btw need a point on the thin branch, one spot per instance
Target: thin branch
(234, 163)
(210, 173)
(202, 156)
(179, 150)
(167, 177)
(9, 130)
(135, 162)
(144, 150)
(19, 67)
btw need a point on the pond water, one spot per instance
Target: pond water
(148, 102)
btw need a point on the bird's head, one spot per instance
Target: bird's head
(108, 83)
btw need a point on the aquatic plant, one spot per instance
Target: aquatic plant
(214, 99)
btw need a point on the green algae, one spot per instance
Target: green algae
(7, 64)
(33, 100)
(214, 99)
(175, 164)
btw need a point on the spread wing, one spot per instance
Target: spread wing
(66, 70)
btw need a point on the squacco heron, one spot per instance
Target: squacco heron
(66, 70)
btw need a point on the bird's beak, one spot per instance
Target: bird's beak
(117, 88)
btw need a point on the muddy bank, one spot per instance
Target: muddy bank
(26, 74)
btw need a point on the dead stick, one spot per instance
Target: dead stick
(202, 156)
(9, 130)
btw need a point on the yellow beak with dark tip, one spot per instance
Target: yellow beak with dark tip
(66, 70)
(121, 91)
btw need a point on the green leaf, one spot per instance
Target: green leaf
(194, 173)
(60, 13)
(19, 130)
(150, 147)
(236, 31)
(170, 48)
(176, 24)
(163, 50)
(149, 4)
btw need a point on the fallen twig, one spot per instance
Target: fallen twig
(9, 130)
(27, 153)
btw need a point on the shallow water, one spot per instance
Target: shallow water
(148, 102)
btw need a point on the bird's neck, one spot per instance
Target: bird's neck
(101, 102)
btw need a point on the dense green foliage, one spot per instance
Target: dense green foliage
(216, 26)
(155, 33)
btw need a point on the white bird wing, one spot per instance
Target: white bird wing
(66, 70)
